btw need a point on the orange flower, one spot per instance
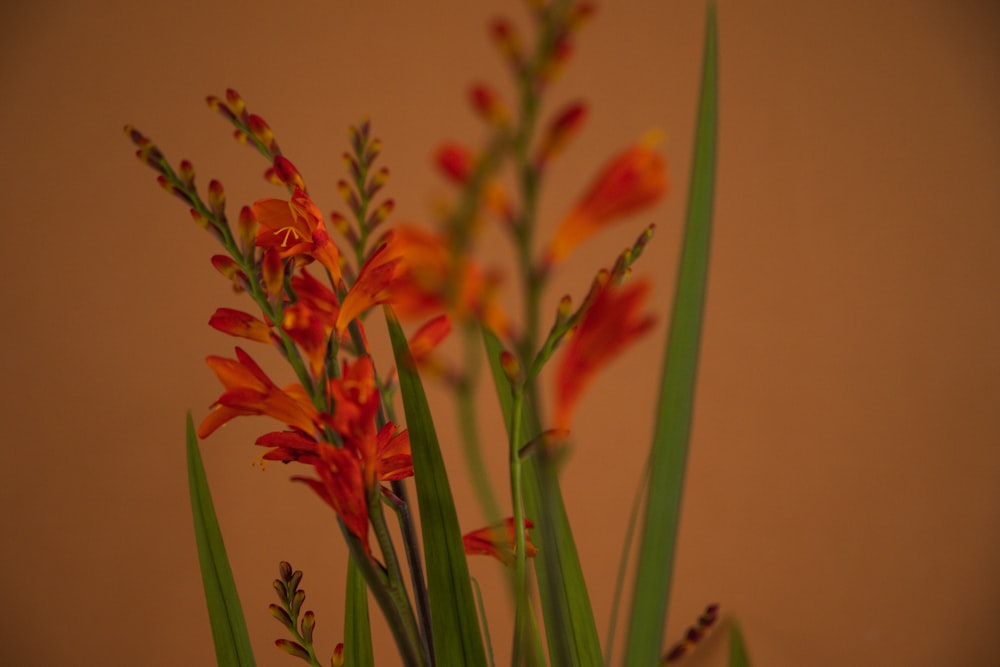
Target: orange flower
(499, 541)
(296, 227)
(634, 180)
(250, 392)
(429, 283)
(373, 285)
(340, 485)
(310, 320)
(384, 455)
(611, 322)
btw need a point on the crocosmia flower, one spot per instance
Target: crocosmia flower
(296, 227)
(612, 321)
(498, 541)
(341, 486)
(634, 180)
(250, 392)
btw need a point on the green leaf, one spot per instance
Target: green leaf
(357, 627)
(457, 639)
(737, 650)
(569, 619)
(670, 440)
(229, 629)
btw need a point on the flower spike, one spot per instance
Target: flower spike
(634, 180)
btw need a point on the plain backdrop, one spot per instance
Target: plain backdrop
(842, 499)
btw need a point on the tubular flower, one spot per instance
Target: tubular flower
(429, 282)
(634, 180)
(296, 227)
(392, 454)
(356, 400)
(498, 541)
(310, 320)
(340, 485)
(250, 392)
(374, 283)
(611, 323)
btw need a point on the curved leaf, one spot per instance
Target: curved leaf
(670, 440)
(229, 629)
(457, 638)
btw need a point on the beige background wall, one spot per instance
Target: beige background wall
(843, 497)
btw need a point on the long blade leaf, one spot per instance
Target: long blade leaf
(670, 440)
(737, 650)
(229, 629)
(457, 638)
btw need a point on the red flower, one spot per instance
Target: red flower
(631, 182)
(340, 484)
(499, 541)
(611, 323)
(295, 227)
(250, 392)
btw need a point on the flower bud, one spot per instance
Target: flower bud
(261, 130)
(511, 367)
(287, 173)
(282, 616)
(308, 624)
(172, 188)
(235, 103)
(292, 648)
(380, 214)
(187, 174)
(247, 228)
(488, 105)
(216, 198)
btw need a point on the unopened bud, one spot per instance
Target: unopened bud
(508, 42)
(216, 197)
(172, 188)
(282, 616)
(565, 307)
(247, 228)
(347, 193)
(380, 214)
(287, 173)
(308, 624)
(374, 148)
(488, 105)
(261, 130)
(564, 127)
(292, 648)
(235, 103)
(187, 173)
(455, 162)
(377, 181)
(511, 367)
(273, 271)
(200, 219)
(217, 105)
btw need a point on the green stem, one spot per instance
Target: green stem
(466, 398)
(394, 606)
(520, 557)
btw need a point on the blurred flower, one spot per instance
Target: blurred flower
(499, 541)
(634, 180)
(611, 323)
